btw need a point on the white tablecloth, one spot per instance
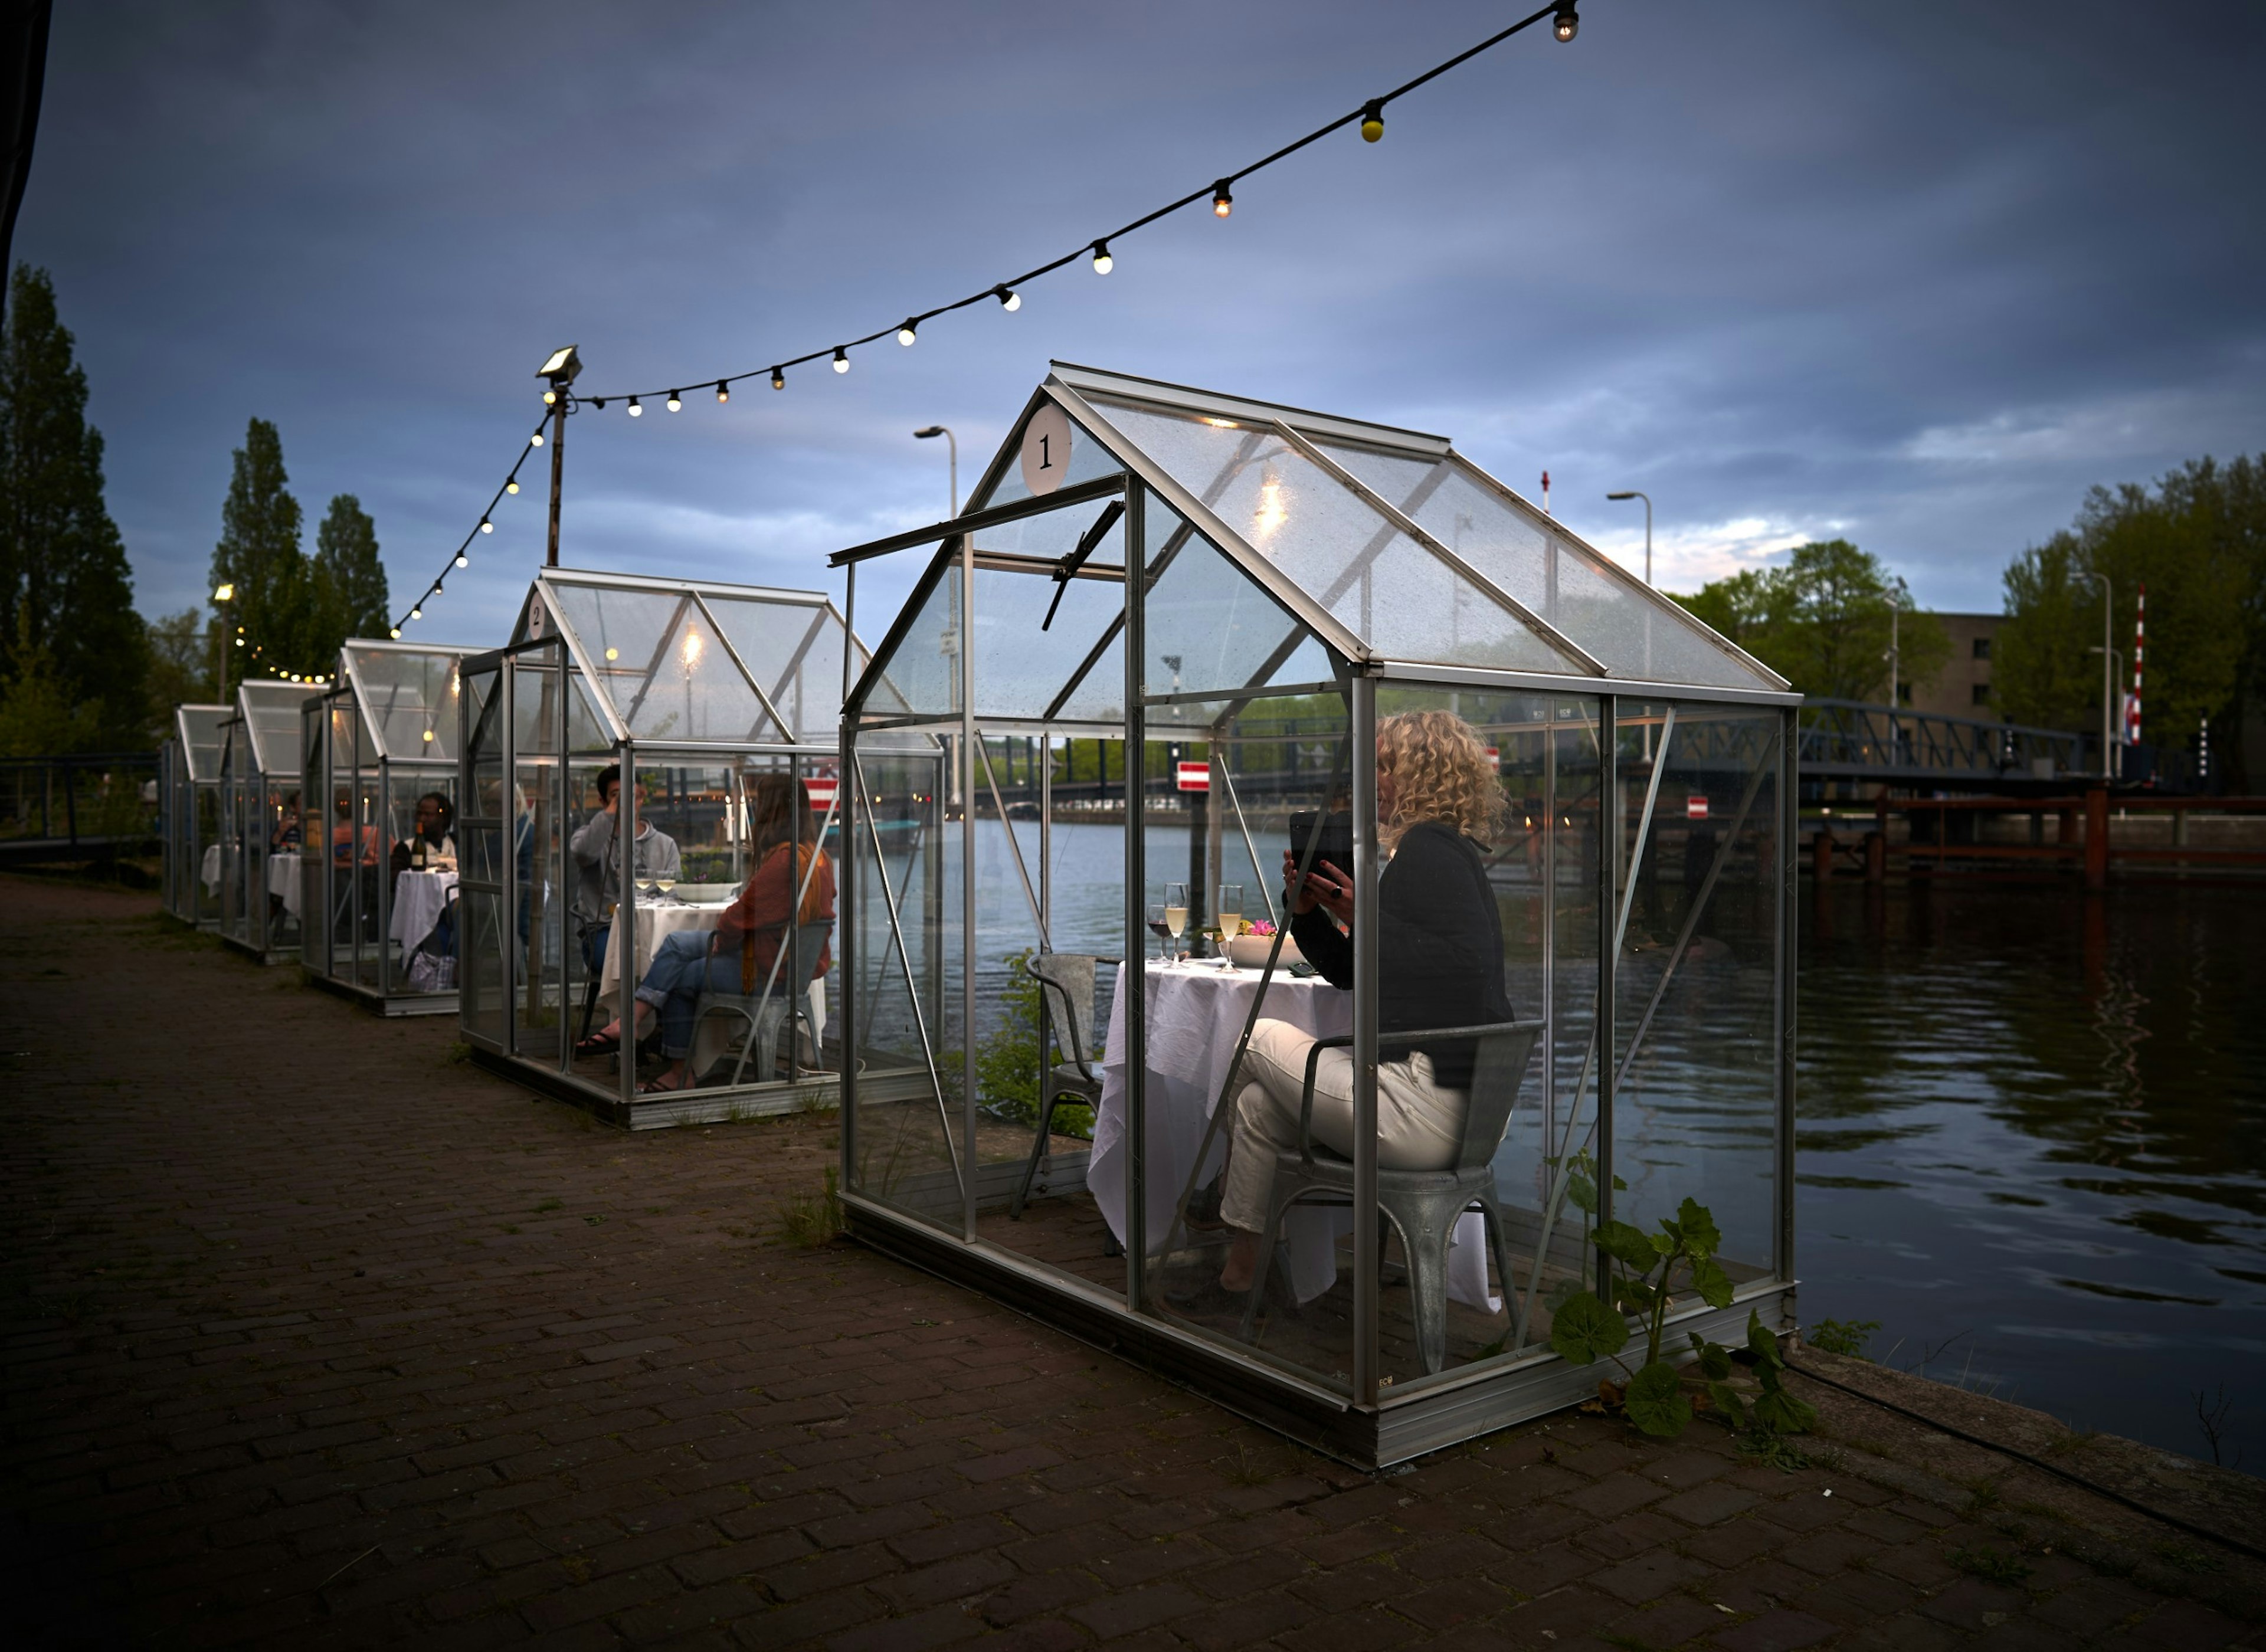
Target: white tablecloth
(655, 924)
(417, 900)
(1196, 1017)
(209, 871)
(283, 878)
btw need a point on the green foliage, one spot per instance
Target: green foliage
(1842, 1336)
(1826, 620)
(1007, 1057)
(258, 554)
(72, 653)
(348, 580)
(812, 1220)
(1990, 1565)
(1646, 1272)
(180, 670)
(2198, 543)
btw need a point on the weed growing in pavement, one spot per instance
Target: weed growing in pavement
(550, 1205)
(1773, 1450)
(456, 1054)
(1990, 1565)
(1982, 1493)
(813, 1221)
(2182, 1558)
(1248, 1470)
(1842, 1336)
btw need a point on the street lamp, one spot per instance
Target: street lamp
(223, 594)
(952, 444)
(559, 374)
(2112, 676)
(1638, 492)
(2108, 653)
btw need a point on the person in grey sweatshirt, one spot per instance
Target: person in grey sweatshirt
(597, 881)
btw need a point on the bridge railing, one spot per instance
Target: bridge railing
(1847, 737)
(87, 801)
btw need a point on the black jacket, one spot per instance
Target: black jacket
(1439, 947)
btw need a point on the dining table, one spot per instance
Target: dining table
(1194, 1014)
(283, 878)
(419, 897)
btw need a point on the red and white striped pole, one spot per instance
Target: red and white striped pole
(2139, 651)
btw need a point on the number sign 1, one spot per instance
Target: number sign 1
(1046, 450)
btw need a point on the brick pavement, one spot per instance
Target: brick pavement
(313, 1336)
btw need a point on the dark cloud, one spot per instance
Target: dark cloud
(1918, 275)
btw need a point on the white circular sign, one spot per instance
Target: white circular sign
(1046, 450)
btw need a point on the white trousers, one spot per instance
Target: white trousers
(1419, 1124)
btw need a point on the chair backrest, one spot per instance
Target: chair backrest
(809, 942)
(1498, 1070)
(1066, 979)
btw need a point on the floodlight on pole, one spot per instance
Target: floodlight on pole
(952, 444)
(1638, 492)
(559, 372)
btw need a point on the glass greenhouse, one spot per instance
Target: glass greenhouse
(1183, 654)
(260, 776)
(377, 922)
(189, 785)
(721, 705)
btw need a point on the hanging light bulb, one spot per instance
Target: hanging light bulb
(599, 403)
(394, 631)
(1372, 120)
(1566, 23)
(512, 486)
(723, 392)
(240, 642)
(635, 410)
(1222, 201)
(417, 612)
(463, 561)
(907, 333)
(676, 401)
(779, 378)
(1010, 300)
(841, 359)
(1102, 262)
(487, 526)
(438, 587)
(536, 441)
(549, 399)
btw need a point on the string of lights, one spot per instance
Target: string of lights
(1565, 23)
(255, 653)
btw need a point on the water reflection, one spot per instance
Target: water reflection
(2034, 1123)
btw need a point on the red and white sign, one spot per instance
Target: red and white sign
(1695, 808)
(1192, 777)
(819, 788)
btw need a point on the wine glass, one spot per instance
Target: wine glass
(1157, 926)
(665, 884)
(1176, 912)
(1229, 908)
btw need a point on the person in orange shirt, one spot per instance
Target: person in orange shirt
(739, 954)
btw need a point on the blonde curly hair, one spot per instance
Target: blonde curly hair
(1440, 771)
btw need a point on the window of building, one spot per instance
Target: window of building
(1981, 693)
(1982, 647)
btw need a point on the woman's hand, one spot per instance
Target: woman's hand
(1325, 886)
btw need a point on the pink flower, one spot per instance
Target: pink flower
(1263, 927)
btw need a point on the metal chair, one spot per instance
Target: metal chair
(1423, 1204)
(1066, 1008)
(789, 996)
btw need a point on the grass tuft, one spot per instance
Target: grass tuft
(811, 1221)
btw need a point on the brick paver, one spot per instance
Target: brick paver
(313, 1335)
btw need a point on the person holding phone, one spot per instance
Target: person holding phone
(1439, 964)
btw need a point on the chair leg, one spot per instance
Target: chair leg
(1279, 1208)
(589, 1007)
(1038, 1151)
(1428, 1286)
(1499, 1239)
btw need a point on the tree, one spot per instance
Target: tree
(349, 581)
(181, 649)
(67, 614)
(1824, 621)
(39, 714)
(2198, 543)
(258, 554)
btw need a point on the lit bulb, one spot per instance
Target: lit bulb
(512, 486)
(393, 631)
(536, 441)
(1102, 262)
(1566, 23)
(1372, 120)
(613, 653)
(463, 561)
(428, 736)
(438, 587)
(417, 613)
(1222, 201)
(487, 526)
(549, 399)
(635, 411)
(1010, 300)
(240, 642)
(906, 334)
(723, 392)
(779, 378)
(676, 401)
(841, 359)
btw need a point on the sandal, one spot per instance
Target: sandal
(598, 1044)
(661, 1086)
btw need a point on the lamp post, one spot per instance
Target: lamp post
(1638, 492)
(559, 370)
(952, 445)
(2108, 653)
(223, 594)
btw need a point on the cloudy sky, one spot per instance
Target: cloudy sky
(1915, 274)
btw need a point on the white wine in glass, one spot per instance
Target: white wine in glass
(1229, 908)
(664, 884)
(1176, 912)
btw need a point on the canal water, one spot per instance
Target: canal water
(2033, 1145)
(2032, 1142)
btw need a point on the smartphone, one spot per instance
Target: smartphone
(1336, 845)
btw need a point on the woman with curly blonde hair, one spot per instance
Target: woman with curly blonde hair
(1439, 964)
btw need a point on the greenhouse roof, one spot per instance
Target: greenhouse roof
(1288, 528)
(406, 693)
(697, 662)
(270, 711)
(198, 729)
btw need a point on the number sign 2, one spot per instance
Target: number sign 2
(1046, 450)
